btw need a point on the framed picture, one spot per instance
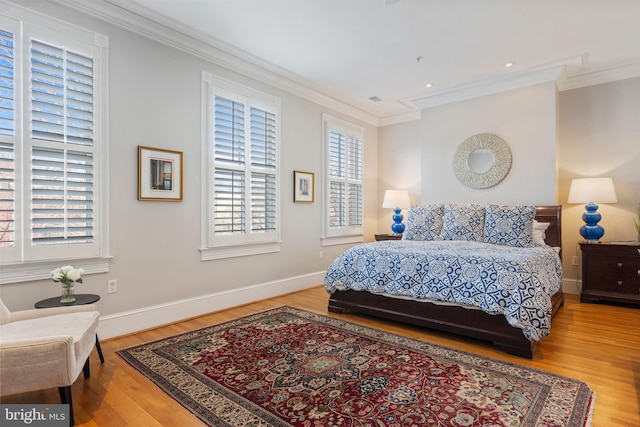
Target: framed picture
(303, 187)
(159, 174)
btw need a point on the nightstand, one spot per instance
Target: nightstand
(388, 237)
(610, 272)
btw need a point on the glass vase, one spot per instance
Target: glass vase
(68, 296)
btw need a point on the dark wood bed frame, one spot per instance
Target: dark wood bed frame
(471, 323)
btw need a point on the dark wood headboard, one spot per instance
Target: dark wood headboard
(553, 215)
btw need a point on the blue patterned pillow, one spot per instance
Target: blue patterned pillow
(463, 222)
(509, 225)
(424, 222)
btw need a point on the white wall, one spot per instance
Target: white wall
(155, 100)
(419, 155)
(524, 118)
(399, 166)
(600, 136)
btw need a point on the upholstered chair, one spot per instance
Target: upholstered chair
(46, 348)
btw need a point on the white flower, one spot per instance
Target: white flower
(75, 274)
(67, 274)
(56, 275)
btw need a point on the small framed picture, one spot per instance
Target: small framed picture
(159, 174)
(303, 187)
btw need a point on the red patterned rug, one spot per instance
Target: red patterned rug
(289, 367)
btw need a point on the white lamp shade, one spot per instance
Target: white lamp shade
(396, 199)
(597, 190)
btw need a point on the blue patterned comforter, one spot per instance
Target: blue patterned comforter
(514, 282)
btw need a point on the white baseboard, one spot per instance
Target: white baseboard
(571, 286)
(127, 322)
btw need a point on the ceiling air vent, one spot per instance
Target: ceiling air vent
(375, 98)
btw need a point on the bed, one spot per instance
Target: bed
(515, 325)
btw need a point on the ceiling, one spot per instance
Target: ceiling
(355, 50)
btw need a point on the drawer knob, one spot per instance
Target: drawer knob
(619, 264)
(619, 282)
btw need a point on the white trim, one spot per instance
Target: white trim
(343, 234)
(32, 263)
(571, 286)
(484, 88)
(232, 251)
(132, 321)
(27, 272)
(128, 15)
(132, 17)
(592, 78)
(342, 240)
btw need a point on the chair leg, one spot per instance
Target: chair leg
(65, 398)
(99, 349)
(86, 369)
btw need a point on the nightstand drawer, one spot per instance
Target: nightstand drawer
(619, 266)
(610, 272)
(626, 285)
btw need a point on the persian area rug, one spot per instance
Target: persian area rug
(288, 367)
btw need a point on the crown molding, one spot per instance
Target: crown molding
(147, 23)
(604, 75)
(490, 87)
(135, 19)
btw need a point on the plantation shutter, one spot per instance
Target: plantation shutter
(7, 144)
(345, 180)
(242, 216)
(231, 205)
(62, 191)
(7, 196)
(53, 131)
(7, 84)
(337, 188)
(354, 174)
(263, 157)
(61, 95)
(229, 175)
(62, 165)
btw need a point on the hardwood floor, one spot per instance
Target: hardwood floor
(598, 344)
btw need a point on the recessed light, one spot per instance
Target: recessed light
(428, 85)
(509, 64)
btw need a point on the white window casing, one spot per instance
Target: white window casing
(343, 182)
(240, 163)
(53, 146)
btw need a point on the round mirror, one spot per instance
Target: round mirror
(482, 161)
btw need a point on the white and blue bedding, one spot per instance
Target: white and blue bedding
(516, 282)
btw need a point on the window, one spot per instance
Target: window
(342, 158)
(51, 144)
(240, 145)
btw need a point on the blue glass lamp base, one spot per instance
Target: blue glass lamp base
(591, 231)
(397, 227)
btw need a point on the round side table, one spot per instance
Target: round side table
(80, 300)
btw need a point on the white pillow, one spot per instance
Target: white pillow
(539, 229)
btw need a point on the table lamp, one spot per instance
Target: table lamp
(396, 199)
(592, 191)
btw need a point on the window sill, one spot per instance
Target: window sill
(222, 252)
(342, 240)
(41, 270)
